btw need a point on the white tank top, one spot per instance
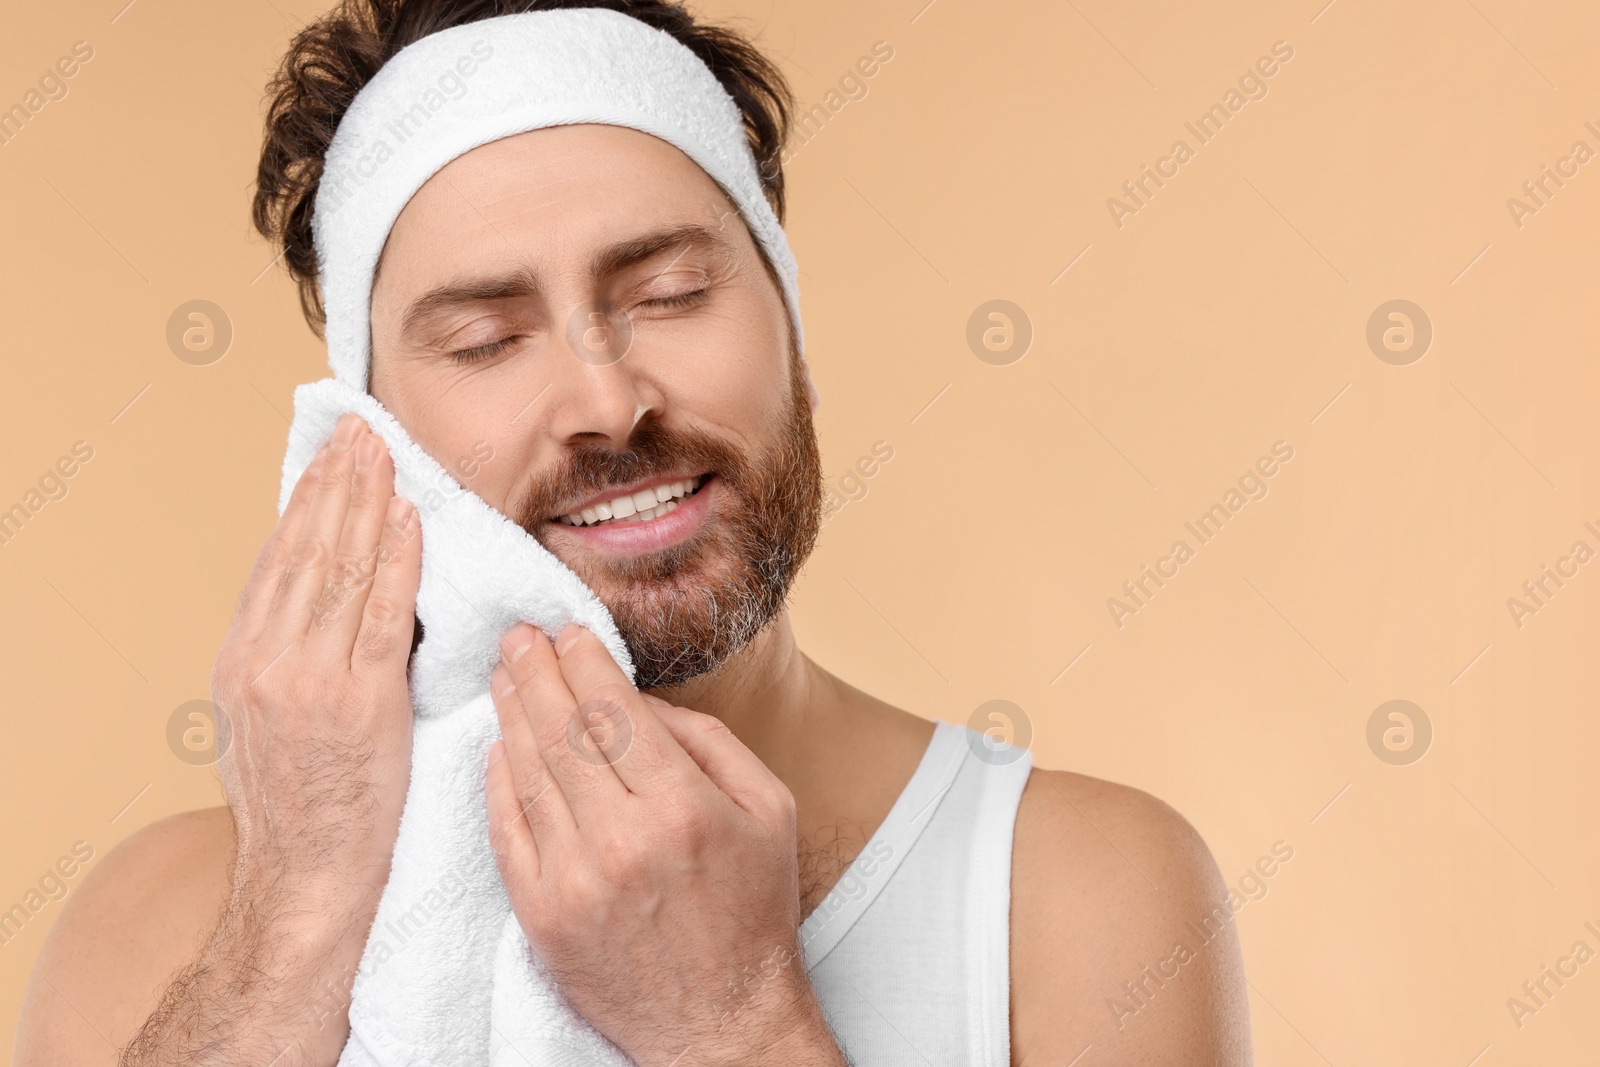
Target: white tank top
(909, 953)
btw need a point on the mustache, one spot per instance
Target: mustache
(652, 450)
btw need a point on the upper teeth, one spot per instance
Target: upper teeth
(642, 506)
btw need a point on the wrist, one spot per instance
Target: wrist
(809, 1042)
(785, 1026)
(302, 940)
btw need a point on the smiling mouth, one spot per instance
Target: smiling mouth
(642, 505)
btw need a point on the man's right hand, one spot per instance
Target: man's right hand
(315, 710)
(312, 681)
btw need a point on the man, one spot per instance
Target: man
(681, 484)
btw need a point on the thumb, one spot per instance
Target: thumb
(725, 760)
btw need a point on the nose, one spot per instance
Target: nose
(599, 402)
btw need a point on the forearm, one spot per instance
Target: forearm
(268, 987)
(312, 679)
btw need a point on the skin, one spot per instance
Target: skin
(785, 769)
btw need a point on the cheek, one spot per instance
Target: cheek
(730, 370)
(736, 398)
(462, 422)
(497, 479)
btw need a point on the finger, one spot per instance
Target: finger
(540, 797)
(560, 727)
(516, 850)
(388, 614)
(730, 766)
(642, 751)
(260, 588)
(337, 617)
(301, 583)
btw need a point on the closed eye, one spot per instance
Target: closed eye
(482, 352)
(678, 300)
(494, 348)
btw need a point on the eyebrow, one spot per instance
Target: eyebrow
(524, 281)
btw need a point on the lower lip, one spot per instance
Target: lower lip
(636, 538)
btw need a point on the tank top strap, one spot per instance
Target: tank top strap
(911, 813)
(910, 954)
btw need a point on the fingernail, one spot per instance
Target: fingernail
(367, 452)
(500, 681)
(518, 640)
(344, 433)
(496, 752)
(564, 640)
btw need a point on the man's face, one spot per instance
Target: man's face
(576, 323)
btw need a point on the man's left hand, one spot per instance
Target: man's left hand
(650, 859)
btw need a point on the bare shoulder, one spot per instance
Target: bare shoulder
(139, 916)
(1122, 937)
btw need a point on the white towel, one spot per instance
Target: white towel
(447, 978)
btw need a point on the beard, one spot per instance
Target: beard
(684, 610)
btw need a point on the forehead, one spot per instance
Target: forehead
(547, 194)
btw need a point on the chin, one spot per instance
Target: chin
(691, 616)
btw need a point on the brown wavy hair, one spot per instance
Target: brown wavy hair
(331, 59)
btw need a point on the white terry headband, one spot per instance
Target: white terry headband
(480, 81)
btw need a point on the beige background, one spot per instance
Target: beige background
(1227, 314)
